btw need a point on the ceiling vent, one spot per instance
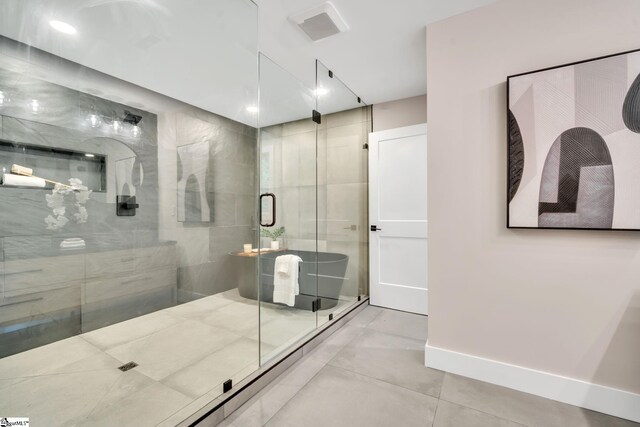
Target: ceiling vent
(320, 22)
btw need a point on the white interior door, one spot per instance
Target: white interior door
(398, 214)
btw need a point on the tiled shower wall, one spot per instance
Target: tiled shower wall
(347, 215)
(205, 266)
(51, 290)
(61, 123)
(289, 168)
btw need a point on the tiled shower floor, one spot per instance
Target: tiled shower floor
(184, 354)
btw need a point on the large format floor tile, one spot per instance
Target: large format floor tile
(259, 409)
(368, 373)
(201, 307)
(336, 397)
(285, 330)
(184, 354)
(391, 358)
(47, 358)
(328, 349)
(173, 349)
(452, 415)
(521, 407)
(237, 317)
(202, 376)
(366, 316)
(357, 375)
(145, 405)
(130, 330)
(400, 323)
(60, 399)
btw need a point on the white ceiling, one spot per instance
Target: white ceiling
(381, 58)
(203, 52)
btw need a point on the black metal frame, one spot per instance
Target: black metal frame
(273, 209)
(291, 352)
(510, 227)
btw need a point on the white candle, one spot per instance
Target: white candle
(247, 248)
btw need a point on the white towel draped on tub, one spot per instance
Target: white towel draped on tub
(285, 279)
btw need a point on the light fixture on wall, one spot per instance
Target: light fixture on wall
(34, 106)
(4, 99)
(63, 27)
(135, 131)
(133, 120)
(94, 119)
(252, 109)
(116, 126)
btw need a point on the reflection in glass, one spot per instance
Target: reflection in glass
(141, 242)
(139, 266)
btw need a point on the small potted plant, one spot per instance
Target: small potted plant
(273, 234)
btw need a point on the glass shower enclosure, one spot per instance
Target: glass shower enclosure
(154, 168)
(313, 178)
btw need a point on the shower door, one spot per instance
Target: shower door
(342, 194)
(288, 208)
(313, 201)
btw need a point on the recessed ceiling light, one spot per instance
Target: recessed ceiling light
(321, 91)
(252, 109)
(89, 155)
(63, 27)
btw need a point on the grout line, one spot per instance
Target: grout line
(275, 383)
(399, 311)
(435, 413)
(336, 326)
(484, 412)
(422, 341)
(297, 392)
(52, 374)
(370, 321)
(308, 356)
(104, 396)
(384, 381)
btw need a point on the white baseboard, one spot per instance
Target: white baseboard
(596, 397)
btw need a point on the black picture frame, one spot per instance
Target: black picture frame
(508, 141)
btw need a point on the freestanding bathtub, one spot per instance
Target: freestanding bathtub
(328, 268)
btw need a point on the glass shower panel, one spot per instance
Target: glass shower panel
(288, 209)
(128, 186)
(342, 195)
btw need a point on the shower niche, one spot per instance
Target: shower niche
(53, 165)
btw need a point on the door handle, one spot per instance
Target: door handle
(375, 228)
(273, 209)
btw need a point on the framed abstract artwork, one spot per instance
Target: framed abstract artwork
(195, 188)
(574, 145)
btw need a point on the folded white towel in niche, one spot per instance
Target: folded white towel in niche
(285, 284)
(22, 181)
(72, 243)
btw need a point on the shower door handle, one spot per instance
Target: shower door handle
(273, 210)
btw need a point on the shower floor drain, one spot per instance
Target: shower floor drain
(127, 366)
